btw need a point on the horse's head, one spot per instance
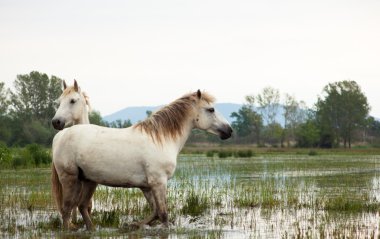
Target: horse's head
(72, 107)
(208, 118)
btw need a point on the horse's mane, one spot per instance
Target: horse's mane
(71, 89)
(168, 122)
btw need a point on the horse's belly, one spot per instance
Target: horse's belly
(113, 171)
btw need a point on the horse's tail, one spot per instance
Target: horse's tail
(56, 187)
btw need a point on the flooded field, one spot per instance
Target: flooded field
(283, 196)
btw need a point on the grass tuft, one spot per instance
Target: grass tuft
(195, 204)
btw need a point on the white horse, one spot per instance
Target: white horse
(142, 156)
(74, 108)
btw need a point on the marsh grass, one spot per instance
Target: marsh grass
(345, 203)
(286, 196)
(195, 204)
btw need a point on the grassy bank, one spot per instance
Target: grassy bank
(235, 150)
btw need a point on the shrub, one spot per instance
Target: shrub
(19, 161)
(225, 154)
(244, 153)
(38, 155)
(5, 155)
(210, 154)
(313, 153)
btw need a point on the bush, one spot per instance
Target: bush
(19, 161)
(38, 155)
(210, 154)
(33, 155)
(244, 153)
(225, 154)
(313, 153)
(5, 156)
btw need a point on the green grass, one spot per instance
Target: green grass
(195, 204)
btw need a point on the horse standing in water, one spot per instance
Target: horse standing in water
(142, 156)
(74, 108)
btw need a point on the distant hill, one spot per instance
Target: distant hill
(138, 113)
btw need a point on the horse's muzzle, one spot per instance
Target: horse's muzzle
(58, 123)
(225, 132)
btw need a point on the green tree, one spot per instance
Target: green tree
(371, 133)
(34, 96)
(307, 134)
(148, 113)
(96, 118)
(120, 124)
(248, 123)
(269, 102)
(273, 134)
(343, 110)
(294, 115)
(5, 129)
(3, 99)
(32, 105)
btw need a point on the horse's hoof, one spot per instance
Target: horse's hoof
(73, 227)
(91, 229)
(134, 226)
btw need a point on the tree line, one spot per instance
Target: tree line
(339, 118)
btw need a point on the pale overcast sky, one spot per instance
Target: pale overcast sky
(133, 53)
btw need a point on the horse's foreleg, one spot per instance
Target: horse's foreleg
(71, 188)
(159, 195)
(149, 197)
(85, 202)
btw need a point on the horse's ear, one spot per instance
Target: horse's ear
(76, 88)
(199, 94)
(64, 85)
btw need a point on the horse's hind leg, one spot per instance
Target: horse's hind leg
(71, 188)
(75, 210)
(84, 206)
(159, 194)
(74, 215)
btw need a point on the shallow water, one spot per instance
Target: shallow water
(283, 196)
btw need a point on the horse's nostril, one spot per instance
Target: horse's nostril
(55, 122)
(58, 124)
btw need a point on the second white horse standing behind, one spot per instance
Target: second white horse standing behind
(74, 108)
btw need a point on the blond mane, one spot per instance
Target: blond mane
(169, 121)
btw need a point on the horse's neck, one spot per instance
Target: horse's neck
(84, 118)
(180, 142)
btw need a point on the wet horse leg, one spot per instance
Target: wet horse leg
(85, 202)
(159, 194)
(74, 212)
(71, 188)
(149, 197)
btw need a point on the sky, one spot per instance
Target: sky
(145, 53)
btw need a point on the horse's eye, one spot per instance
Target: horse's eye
(72, 101)
(211, 110)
